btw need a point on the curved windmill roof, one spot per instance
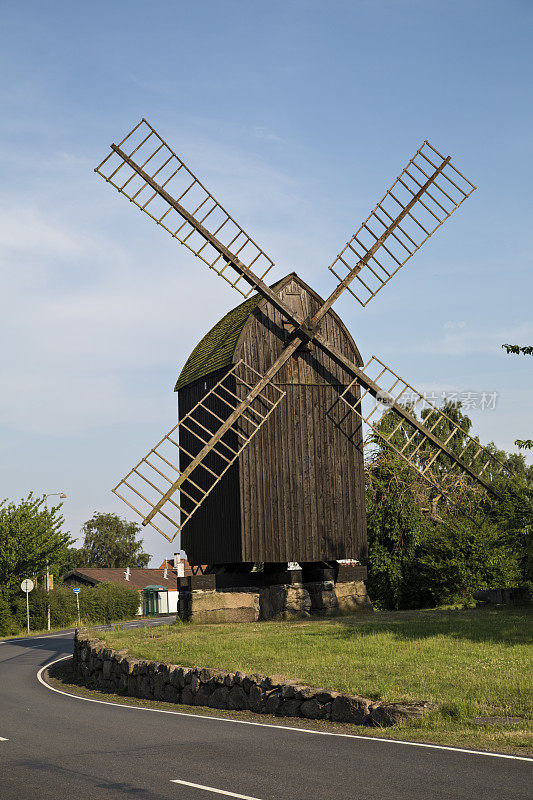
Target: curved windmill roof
(217, 348)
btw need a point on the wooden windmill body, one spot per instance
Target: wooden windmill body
(296, 493)
(265, 463)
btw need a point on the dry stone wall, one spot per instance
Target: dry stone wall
(99, 667)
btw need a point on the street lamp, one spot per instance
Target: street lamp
(61, 496)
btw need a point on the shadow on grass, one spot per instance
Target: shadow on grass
(497, 625)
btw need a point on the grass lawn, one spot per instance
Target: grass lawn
(472, 663)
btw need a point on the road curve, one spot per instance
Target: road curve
(55, 746)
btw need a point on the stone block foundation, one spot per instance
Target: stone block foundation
(278, 601)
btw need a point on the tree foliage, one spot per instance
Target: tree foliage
(395, 530)
(527, 350)
(513, 515)
(74, 557)
(517, 350)
(110, 541)
(30, 534)
(422, 552)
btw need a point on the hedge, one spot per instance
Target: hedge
(103, 603)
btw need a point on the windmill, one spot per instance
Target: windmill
(186, 475)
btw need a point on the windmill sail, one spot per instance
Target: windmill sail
(169, 484)
(421, 199)
(442, 452)
(145, 170)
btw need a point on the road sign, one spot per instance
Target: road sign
(26, 586)
(77, 593)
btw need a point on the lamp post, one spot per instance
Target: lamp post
(61, 496)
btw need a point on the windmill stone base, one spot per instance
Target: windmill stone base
(285, 594)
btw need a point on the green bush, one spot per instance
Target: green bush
(418, 560)
(453, 563)
(7, 623)
(37, 605)
(62, 608)
(416, 563)
(106, 602)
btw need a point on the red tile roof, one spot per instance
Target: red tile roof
(139, 578)
(170, 564)
(187, 569)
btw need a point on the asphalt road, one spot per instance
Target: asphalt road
(54, 746)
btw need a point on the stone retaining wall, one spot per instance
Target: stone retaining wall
(116, 671)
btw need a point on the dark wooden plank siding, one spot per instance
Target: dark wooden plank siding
(306, 463)
(264, 337)
(213, 534)
(308, 484)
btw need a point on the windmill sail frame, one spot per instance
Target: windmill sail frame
(421, 202)
(192, 203)
(160, 473)
(421, 436)
(428, 191)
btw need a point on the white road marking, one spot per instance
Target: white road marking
(30, 638)
(215, 791)
(133, 623)
(375, 739)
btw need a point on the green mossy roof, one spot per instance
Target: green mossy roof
(217, 348)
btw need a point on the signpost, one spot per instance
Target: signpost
(48, 587)
(50, 578)
(77, 593)
(27, 586)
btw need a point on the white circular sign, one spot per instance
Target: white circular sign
(27, 585)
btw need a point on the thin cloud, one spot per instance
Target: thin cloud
(101, 308)
(266, 135)
(461, 339)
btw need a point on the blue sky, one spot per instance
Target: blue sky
(298, 116)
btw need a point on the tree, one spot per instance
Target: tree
(421, 550)
(514, 514)
(516, 349)
(396, 527)
(110, 541)
(74, 557)
(30, 534)
(520, 528)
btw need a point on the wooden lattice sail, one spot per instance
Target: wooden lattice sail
(425, 194)
(144, 169)
(430, 441)
(174, 478)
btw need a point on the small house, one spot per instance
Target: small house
(158, 588)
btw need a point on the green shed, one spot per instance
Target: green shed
(152, 600)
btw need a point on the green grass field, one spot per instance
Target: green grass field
(472, 663)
